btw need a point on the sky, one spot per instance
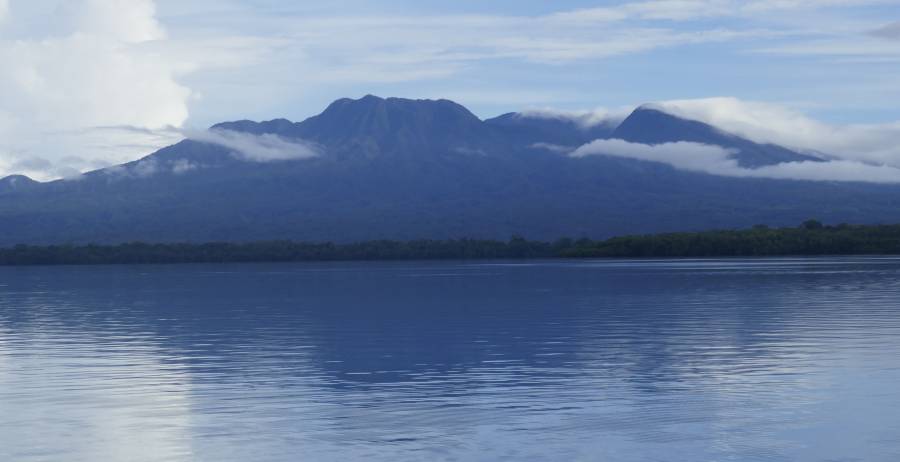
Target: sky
(90, 83)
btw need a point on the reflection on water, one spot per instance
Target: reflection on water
(745, 360)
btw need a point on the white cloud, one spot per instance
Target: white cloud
(584, 119)
(131, 21)
(559, 149)
(53, 88)
(145, 168)
(143, 73)
(397, 48)
(182, 166)
(675, 10)
(41, 168)
(259, 148)
(772, 123)
(683, 155)
(716, 160)
(689, 10)
(100, 80)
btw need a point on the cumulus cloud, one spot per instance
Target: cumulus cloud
(97, 70)
(93, 79)
(716, 160)
(258, 148)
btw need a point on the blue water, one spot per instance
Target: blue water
(689, 360)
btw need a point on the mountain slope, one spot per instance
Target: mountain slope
(531, 129)
(17, 183)
(373, 126)
(405, 169)
(652, 126)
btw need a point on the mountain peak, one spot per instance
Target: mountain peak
(545, 127)
(651, 124)
(16, 183)
(376, 103)
(16, 179)
(372, 125)
(257, 128)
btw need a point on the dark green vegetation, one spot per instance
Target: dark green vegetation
(811, 238)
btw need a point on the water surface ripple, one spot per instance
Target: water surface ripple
(784, 359)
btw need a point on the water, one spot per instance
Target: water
(689, 360)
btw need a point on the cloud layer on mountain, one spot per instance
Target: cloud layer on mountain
(778, 124)
(715, 160)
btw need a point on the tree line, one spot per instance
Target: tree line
(811, 238)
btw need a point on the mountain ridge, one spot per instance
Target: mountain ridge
(407, 169)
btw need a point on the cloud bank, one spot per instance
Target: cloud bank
(715, 160)
(772, 123)
(258, 148)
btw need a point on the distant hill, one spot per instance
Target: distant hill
(418, 169)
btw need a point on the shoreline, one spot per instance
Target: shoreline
(809, 240)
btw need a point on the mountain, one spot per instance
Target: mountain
(647, 125)
(405, 169)
(373, 126)
(16, 183)
(529, 129)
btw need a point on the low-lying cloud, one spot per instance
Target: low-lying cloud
(147, 167)
(716, 160)
(772, 123)
(258, 148)
(584, 119)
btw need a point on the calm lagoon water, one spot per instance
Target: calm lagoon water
(686, 360)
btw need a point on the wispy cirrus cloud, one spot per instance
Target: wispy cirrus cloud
(890, 31)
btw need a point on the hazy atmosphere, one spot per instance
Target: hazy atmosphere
(92, 83)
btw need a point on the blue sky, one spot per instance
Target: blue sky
(87, 83)
(818, 56)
